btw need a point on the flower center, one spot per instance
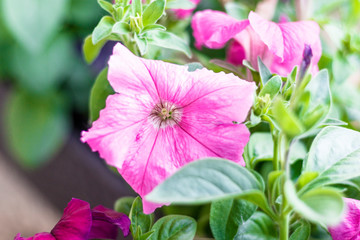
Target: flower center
(165, 114)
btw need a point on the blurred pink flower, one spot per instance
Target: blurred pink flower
(279, 45)
(163, 117)
(184, 13)
(349, 228)
(79, 222)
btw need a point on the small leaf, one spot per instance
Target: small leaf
(306, 177)
(170, 41)
(153, 27)
(204, 181)
(227, 215)
(153, 12)
(140, 222)
(265, 73)
(194, 66)
(286, 119)
(258, 226)
(141, 43)
(36, 127)
(124, 204)
(121, 28)
(103, 29)
(259, 148)
(136, 8)
(180, 4)
(322, 205)
(272, 87)
(106, 6)
(175, 227)
(33, 23)
(99, 92)
(302, 232)
(90, 50)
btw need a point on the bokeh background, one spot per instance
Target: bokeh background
(45, 86)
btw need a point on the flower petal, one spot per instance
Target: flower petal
(117, 127)
(38, 236)
(75, 223)
(128, 75)
(184, 13)
(349, 228)
(106, 223)
(236, 53)
(269, 33)
(214, 28)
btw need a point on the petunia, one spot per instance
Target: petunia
(184, 13)
(349, 228)
(79, 222)
(163, 117)
(279, 45)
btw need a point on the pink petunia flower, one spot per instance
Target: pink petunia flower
(79, 222)
(184, 13)
(163, 117)
(349, 228)
(279, 45)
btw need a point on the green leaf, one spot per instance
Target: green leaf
(237, 10)
(141, 43)
(153, 27)
(330, 146)
(305, 178)
(227, 215)
(140, 222)
(265, 73)
(99, 92)
(34, 22)
(170, 41)
(121, 28)
(36, 127)
(153, 12)
(302, 232)
(180, 4)
(272, 87)
(42, 72)
(174, 227)
(90, 50)
(194, 66)
(320, 98)
(259, 148)
(103, 29)
(136, 8)
(204, 181)
(106, 6)
(322, 205)
(124, 204)
(258, 226)
(286, 119)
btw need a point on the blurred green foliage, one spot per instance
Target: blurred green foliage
(41, 59)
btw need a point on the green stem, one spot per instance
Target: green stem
(284, 227)
(276, 159)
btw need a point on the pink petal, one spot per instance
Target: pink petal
(184, 13)
(349, 228)
(127, 75)
(296, 35)
(75, 223)
(118, 126)
(285, 42)
(269, 33)
(214, 28)
(236, 53)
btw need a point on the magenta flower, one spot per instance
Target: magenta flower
(79, 222)
(184, 13)
(279, 45)
(349, 228)
(163, 117)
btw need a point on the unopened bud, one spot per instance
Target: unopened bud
(306, 60)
